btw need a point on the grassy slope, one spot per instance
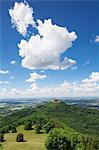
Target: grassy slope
(33, 141)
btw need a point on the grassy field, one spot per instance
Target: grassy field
(32, 141)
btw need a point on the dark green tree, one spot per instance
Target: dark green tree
(1, 130)
(13, 129)
(20, 138)
(1, 137)
(6, 129)
(28, 126)
(49, 126)
(41, 121)
(57, 140)
(1, 148)
(92, 144)
(37, 129)
(79, 147)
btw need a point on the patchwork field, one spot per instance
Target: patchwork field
(32, 141)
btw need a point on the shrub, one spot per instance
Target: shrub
(49, 126)
(1, 148)
(13, 129)
(57, 140)
(1, 131)
(20, 138)
(41, 121)
(1, 137)
(28, 126)
(6, 129)
(79, 147)
(37, 129)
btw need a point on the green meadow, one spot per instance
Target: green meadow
(32, 141)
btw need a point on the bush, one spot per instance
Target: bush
(79, 147)
(1, 148)
(49, 126)
(41, 121)
(20, 138)
(1, 131)
(37, 129)
(1, 137)
(57, 140)
(28, 126)
(6, 129)
(13, 129)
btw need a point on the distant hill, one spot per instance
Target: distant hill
(83, 120)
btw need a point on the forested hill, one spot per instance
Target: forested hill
(80, 119)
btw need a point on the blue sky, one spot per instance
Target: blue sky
(80, 17)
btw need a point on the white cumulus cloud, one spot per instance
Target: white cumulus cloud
(4, 71)
(81, 88)
(42, 71)
(94, 77)
(10, 93)
(97, 38)
(4, 82)
(65, 89)
(35, 76)
(43, 50)
(13, 62)
(11, 77)
(21, 17)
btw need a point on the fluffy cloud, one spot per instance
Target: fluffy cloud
(11, 77)
(97, 38)
(4, 82)
(4, 71)
(43, 50)
(90, 87)
(81, 88)
(69, 88)
(35, 76)
(42, 71)
(13, 62)
(94, 77)
(21, 17)
(12, 93)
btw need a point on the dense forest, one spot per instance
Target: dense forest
(68, 127)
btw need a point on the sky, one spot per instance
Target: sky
(49, 49)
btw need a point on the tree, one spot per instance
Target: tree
(92, 144)
(41, 121)
(57, 140)
(1, 131)
(6, 129)
(37, 129)
(28, 126)
(1, 148)
(20, 138)
(1, 137)
(13, 129)
(50, 125)
(79, 147)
